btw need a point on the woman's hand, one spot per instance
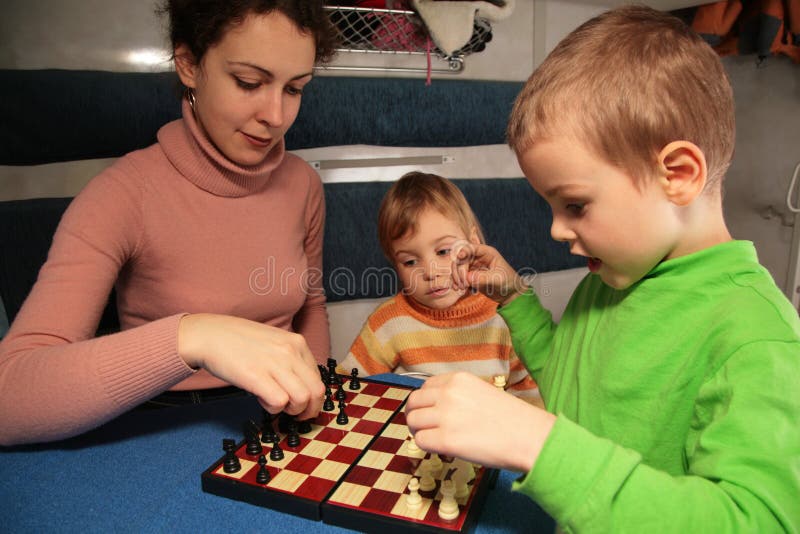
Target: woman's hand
(274, 365)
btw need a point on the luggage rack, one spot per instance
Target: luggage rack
(397, 32)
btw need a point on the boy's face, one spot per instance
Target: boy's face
(423, 260)
(622, 230)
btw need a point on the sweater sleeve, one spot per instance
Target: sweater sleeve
(55, 380)
(312, 319)
(521, 384)
(532, 329)
(742, 459)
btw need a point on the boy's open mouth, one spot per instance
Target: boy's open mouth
(594, 264)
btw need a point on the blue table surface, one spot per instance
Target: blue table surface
(141, 473)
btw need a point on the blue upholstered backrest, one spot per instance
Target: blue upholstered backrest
(56, 115)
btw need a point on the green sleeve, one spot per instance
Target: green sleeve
(532, 329)
(742, 458)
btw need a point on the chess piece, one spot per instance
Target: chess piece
(293, 439)
(448, 507)
(426, 482)
(435, 463)
(267, 432)
(262, 477)
(304, 427)
(342, 418)
(340, 393)
(466, 467)
(355, 383)
(413, 448)
(500, 382)
(276, 454)
(332, 379)
(413, 499)
(231, 463)
(251, 437)
(328, 404)
(460, 479)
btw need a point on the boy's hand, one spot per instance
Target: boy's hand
(483, 268)
(461, 415)
(274, 365)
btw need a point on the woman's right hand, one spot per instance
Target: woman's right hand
(274, 365)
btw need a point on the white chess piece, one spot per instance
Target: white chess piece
(426, 482)
(413, 499)
(448, 507)
(412, 445)
(467, 467)
(460, 479)
(436, 464)
(500, 382)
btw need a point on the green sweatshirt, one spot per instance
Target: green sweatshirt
(677, 399)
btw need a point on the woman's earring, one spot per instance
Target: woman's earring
(190, 97)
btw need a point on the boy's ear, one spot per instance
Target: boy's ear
(683, 171)
(186, 66)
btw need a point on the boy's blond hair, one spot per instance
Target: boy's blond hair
(626, 84)
(411, 195)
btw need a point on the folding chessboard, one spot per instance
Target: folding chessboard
(353, 475)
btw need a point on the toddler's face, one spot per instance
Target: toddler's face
(423, 260)
(622, 230)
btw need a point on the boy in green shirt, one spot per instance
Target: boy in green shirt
(671, 379)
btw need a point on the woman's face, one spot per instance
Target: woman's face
(249, 85)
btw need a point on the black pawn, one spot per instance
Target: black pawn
(332, 372)
(268, 434)
(304, 427)
(293, 439)
(262, 477)
(328, 404)
(251, 436)
(341, 394)
(342, 419)
(355, 383)
(276, 454)
(231, 463)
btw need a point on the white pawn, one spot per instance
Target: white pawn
(460, 479)
(412, 445)
(448, 507)
(427, 482)
(413, 499)
(500, 382)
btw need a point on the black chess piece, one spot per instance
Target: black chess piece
(304, 427)
(333, 378)
(355, 383)
(328, 404)
(340, 393)
(342, 418)
(251, 436)
(276, 454)
(293, 439)
(268, 434)
(231, 463)
(262, 477)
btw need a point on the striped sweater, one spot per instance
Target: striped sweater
(405, 337)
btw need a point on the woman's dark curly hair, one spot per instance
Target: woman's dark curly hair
(200, 24)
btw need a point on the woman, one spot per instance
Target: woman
(212, 238)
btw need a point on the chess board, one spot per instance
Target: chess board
(353, 475)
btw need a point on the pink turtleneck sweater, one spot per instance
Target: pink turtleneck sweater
(176, 228)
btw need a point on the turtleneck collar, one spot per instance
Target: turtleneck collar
(471, 309)
(194, 156)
